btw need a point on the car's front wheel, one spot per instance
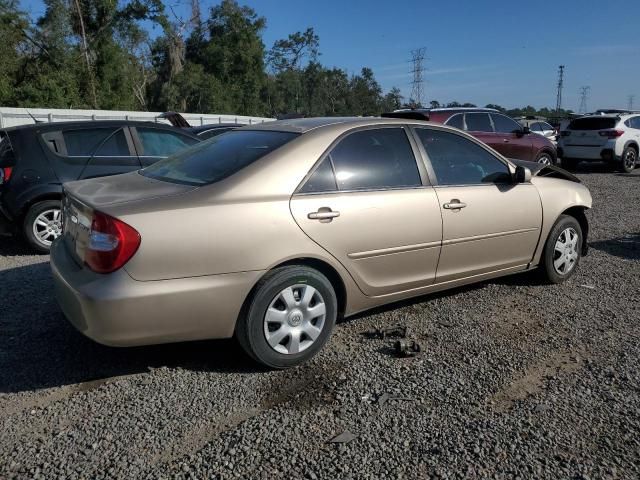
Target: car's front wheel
(562, 250)
(628, 160)
(43, 224)
(545, 158)
(289, 317)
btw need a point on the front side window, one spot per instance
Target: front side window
(459, 161)
(478, 122)
(162, 143)
(375, 159)
(504, 124)
(218, 158)
(115, 146)
(84, 142)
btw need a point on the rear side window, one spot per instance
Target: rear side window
(456, 121)
(162, 143)
(321, 180)
(218, 158)
(115, 146)
(478, 122)
(7, 157)
(375, 159)
(459, 161)
(505, 124)
(593, 123)
(84, 142)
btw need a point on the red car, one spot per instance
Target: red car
(500, 132)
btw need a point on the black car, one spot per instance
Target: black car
(35, 160)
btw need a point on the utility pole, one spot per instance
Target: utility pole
(417, 60)
(630, 98)
(560, 83)
(584, 95)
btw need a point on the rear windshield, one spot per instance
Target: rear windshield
(593, 123)
(7, 159)
(218, 158)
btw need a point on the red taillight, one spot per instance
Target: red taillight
(611, 133)
(5, 174)
(111, 243)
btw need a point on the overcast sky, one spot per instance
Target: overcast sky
(504, 52)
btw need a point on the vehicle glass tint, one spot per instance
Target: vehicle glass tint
(545, 126)
(7, 157)
(321, 180)
(84, 142)
(478, 122)
(218, 158)
(456, 121)
(375, 159)
(459, 161)
(115, 146)
(635, 122)
(593, 123)
(504, 124)
(213, 133)
(162, 143)
(535, 127)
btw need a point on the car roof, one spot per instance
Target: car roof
(303, 125)
(87, 123)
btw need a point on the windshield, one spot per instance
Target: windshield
(218, 158)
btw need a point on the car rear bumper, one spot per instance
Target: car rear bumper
(595, 153)
(116, 310)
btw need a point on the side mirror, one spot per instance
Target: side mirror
(524, 131)
(522, 175)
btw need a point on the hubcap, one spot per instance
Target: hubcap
(545, 160)
(294, 320)
(630, 159)
(565, 253)
(48, 226)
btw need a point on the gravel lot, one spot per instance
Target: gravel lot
(518, 380)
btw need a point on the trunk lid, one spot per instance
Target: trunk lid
(585, 132)
(82, 198)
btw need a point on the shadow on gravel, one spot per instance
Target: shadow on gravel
(624, 247)
(40, 349)
(11, 246)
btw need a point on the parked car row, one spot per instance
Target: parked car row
(269, 233)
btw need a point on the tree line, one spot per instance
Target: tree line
(99, 54)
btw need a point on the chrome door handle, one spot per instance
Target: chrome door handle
(454, 205)
(324, 214)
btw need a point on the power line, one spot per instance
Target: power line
(584, 95)
(417, 87)
(560, 84)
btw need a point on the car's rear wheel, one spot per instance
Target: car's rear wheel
(289, 317)
(562, 250)
(545, 158)
(43, 224)
(628, 160)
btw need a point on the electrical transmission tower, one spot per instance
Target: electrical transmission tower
(417, 85)
(560, 82)
(584, 95)
(630, 99)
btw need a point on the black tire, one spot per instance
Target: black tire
(546, 158)
(28, 225)
(549, 255)
(569, 164)
(628, 161)
(250, 328)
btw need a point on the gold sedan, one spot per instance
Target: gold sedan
(271, 232)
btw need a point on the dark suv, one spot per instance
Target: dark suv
(500, 132)
(35, 161)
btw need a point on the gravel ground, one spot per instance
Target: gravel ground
(517, 380)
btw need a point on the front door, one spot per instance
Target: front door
(367, 204)
(489, 223)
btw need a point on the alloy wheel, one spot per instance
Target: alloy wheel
(565, 253)
(294, 319)
(629, 159)
(545, 160)
(48, 226)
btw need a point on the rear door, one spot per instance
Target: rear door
(92, 151)
(368, 203)
(154, 144)
(489, 223)
(479, 125)
(515, 143)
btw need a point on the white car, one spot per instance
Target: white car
(611, 138)
(541, 128)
